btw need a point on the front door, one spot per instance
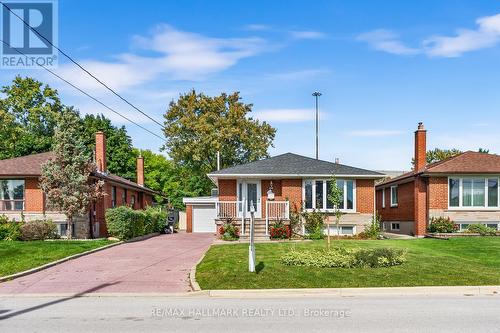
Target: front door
(249, 190)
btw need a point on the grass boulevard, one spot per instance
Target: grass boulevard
(430, 262)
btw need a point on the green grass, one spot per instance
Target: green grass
(431, 262)
(17, 256)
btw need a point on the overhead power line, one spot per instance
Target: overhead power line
(84, 69)
(88, 95)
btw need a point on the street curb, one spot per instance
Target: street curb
(192, 275)
(355, 292)
(298, 293)
(59, 261)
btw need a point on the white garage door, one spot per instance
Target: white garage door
(204, 218)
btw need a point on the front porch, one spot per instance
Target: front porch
(239, 213)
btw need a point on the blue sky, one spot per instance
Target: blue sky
(382, 67)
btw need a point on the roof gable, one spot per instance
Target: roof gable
(293, 164)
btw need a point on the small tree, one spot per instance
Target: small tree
(65, 179)
(336, 197)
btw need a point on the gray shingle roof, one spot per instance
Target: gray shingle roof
(293, 164)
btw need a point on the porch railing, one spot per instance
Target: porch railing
(11, 204)
(276, 210)
(231, 210)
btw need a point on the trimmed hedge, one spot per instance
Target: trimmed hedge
(125, 223)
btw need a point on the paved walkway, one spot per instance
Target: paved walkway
(158, 264)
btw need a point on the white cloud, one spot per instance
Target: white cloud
(286, 115)
(257, 27)
(374, 133)
(178, 55)
(486, 35)
(387, 41)
(308, 34)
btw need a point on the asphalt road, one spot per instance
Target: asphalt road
(203, 314)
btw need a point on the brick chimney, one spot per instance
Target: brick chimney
(420, 147)
(100, 151)
(140, 170)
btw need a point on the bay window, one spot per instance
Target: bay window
(473, 192)
(11, 194)
(316, 194)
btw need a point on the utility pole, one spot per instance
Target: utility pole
(316, 94)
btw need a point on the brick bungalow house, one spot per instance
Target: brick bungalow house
(463, 188)
(279, 184)
(21, 196)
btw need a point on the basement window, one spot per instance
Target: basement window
(395, 226)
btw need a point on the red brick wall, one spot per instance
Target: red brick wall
(189, 218)
(420, 203)
(365, 195)
(438, 193)
(33, 196)
(227, 190)
(292, 189)
(405, 209)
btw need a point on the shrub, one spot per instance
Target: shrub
(280, 231)
(38, 230)
(346, 258)
(124, 223)
(481, 229)
(442, 225)
(9, 230)
(372, 230)
(314, 223)
(228, 231)
(155, 219)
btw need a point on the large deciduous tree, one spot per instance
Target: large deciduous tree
(65, 179)
(198, 126)
(28, 115)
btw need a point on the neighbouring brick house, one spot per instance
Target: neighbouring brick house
(296, 182)
(22, 198)
(463, 188)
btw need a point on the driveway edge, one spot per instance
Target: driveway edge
(50, 264)
(192, 275)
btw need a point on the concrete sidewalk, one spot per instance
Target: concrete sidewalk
(156, 265)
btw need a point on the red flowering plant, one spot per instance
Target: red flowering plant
(229, 231)
(279, 230)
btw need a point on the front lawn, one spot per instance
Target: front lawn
(430, 262)
(17, 256)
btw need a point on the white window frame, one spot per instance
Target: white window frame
(333, 229)
(396, 229)
(394, 204)
(383, 198)
(460, 192)
(325, 194)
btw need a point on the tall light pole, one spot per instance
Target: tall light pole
(316, 94)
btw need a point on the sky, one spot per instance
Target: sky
(381, 66)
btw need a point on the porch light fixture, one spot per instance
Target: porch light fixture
(270, 193)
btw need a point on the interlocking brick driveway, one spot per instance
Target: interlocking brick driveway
(157, 265)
